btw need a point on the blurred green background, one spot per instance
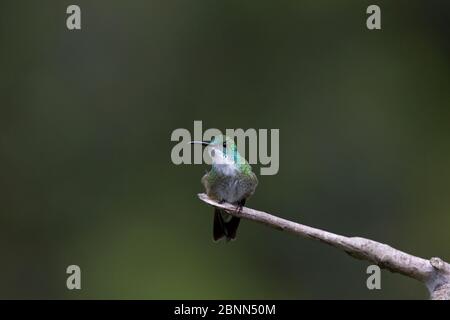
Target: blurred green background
(85, 124)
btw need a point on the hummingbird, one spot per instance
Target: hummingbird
(231, 180)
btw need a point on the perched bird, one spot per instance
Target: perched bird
(230, 180)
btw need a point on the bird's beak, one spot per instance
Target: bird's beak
(205, 143)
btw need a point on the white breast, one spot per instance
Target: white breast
(226, 169)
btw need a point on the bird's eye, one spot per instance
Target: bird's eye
(224, 144)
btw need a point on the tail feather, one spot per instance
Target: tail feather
(222, 228)
(218, 227)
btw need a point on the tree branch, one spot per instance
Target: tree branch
(434, 273)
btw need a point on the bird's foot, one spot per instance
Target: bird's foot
(239, 206)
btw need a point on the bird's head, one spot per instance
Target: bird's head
(222, 150)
